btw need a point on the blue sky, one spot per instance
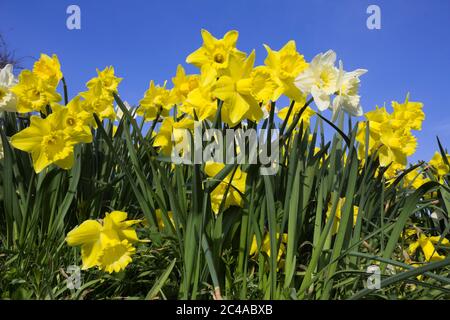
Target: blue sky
(146, 40)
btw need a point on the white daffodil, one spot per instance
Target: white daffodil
(7, 80)
(347, 97)
(320, 79)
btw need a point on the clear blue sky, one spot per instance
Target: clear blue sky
(146, 40)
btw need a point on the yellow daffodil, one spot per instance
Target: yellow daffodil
(216, 52)
(305, 117)
(338, 214)
(415, 179)
(160, 220)
(107, 80)
(156, 100)
(201, 102)
(47, 141)
(390, 135)
(48, 69)
(33, 93)
(171, 129)
(265, 245)
(409, 113)
(235, 187)
(427, 245)
(8, 99)
(234, 88)
(263, 84)
(286, 64)
(76, 120)
(183, 84)
(105, 243)
(439, 165)
(98, 101)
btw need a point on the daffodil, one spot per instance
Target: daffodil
(47, 141)
(76, 120)
(439, 165)
(171, 133)
(234, 184)
(347, 97)
(7, 81)
(305, 116)
(263, 84)
(98, 101)
(216, 52)
(183, 84)
(415, 179)
(409, 113)
(107, 80)
(34, 93)
(427, 244)
(160, 220)
(320, 79)
(201, 103)
(235, 90)
(157, 100)
(286, 64)
(106, 244)
(48, 69)
(338, 214)
(265, 245)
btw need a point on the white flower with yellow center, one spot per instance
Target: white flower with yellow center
(7, 80)
(320, 79)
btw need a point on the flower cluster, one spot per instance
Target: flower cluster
(390, 134)
(51, 137)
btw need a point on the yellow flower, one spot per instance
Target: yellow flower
(160, 220)
(201, 102)
(415, 179)
(286, 65)
(305, 117)
(390, 134)
(98, 101)
(410, 113)
(156, 100)
(105, 243)
(263, 84)
(33, 93)
(47, 141)
(235, 187)
(48, 69)
(216, 52)
(235, 90)
(337, 216)
(396, 144)
(183, 84)
(115, 256)
(265, 246)
(76, 120)
(168, 128)
(438, 164)
(106, 78)
(427, 245)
